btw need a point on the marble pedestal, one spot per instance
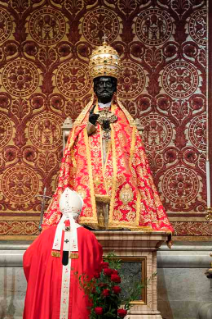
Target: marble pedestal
(12, 280)
(138, 247)
(184, 291)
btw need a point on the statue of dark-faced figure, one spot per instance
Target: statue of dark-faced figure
(104, 88)
(103, 137)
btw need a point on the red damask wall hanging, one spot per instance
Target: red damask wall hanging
(44, 52)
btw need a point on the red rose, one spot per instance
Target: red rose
(106, 292)
(115, 272)
(115, 278)
(108, 271)
(122, 313)
(104, 265)
(116, 289)
(98, 310)
(96, 275)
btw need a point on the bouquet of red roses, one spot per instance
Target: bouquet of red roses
(104, 291)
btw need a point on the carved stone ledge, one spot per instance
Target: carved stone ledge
(130, 241)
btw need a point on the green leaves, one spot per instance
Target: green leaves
(104, 293)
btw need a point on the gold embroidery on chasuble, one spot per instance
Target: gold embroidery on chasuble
(108, 171)
(55, 254)
(126, 194)
(95, 145)
(109, 165)
(74, 255)
(131, 215)
(83, 176)
(102, 171)
(101, 154)
(71, 255)
(124, 205)
(117, 215)
(81, 191)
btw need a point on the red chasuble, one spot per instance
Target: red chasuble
(125, 177)
(44, 276)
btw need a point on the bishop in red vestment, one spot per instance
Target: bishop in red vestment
(53, 290)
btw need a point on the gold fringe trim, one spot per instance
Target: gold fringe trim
(132, 148)
(93, 201)
(113, 193)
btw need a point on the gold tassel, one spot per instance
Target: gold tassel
(101, 220)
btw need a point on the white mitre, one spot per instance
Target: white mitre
(70, 204)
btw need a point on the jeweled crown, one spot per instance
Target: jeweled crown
(104, 61)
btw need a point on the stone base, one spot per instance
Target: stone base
(184, 292)
(144, 315)
(205, 311)
(12, 292)
(137, 247)
(183, 288)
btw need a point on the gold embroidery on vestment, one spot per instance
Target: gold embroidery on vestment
(55, 254)
(93, 202)
(81, 191)
(74, 255)
(71, 255)
(138, 207)
(132, 149)
(126, 194)
(113, 193)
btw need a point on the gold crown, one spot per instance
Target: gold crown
(104, 61)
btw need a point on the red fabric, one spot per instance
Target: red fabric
(44, 275)
(126, 177)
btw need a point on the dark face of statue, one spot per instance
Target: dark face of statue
(105, 87)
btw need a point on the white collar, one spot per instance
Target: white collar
(106, 105)
(71, 244)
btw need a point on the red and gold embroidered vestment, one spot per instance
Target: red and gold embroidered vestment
(125, 177)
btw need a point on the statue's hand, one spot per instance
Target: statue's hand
(93, 117)
(106, 124)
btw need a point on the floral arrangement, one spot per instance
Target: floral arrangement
(104, 291)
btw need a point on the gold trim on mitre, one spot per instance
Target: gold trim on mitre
(104, 61)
